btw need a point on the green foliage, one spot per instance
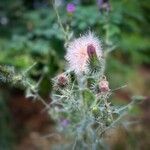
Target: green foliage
(36, 34)
(36, 31)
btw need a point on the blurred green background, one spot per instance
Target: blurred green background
(30, 32)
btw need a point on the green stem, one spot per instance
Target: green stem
(108, 109)
(60, 23)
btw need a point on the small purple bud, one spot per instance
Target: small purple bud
(65, 122)
(70, 8)
(91, 50)
(103, 5)
(62, 80)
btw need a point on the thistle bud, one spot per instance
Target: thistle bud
(103, 5)
(104, 85)
(108, 121)
(62, 80)
(93, 61)
(95, 111)
(91, 50)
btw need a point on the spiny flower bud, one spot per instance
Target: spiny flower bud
(95, 111)
(104, 85)
(91, 50)
(93, 61)
(62, 80)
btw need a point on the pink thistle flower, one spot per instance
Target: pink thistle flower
(79, 51)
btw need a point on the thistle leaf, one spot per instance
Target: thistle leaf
(88, 97)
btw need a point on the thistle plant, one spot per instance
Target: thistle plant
(81, 103)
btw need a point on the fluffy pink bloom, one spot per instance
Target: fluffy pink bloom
(77, 52)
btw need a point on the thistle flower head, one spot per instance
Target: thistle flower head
(79, 51)
(70, 8)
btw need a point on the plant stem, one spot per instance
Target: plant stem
(60, 23)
